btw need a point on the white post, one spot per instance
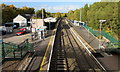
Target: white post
(100, 36)
(43, 16)
(101, 21)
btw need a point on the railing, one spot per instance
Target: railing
(114, 43)
(112, 46)
(10, 50)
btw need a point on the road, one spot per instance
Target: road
(17, 39)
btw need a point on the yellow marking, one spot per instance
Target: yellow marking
(84, 41)
(75, 37)
(91, 34)
(43, 60)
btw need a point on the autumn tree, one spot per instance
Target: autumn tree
(10, 11)
(39, 13)
(58, 14)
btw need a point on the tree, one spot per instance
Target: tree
(99, 11)
(8, 14)
(2, 5)
(58, 14)
(70, 15)
(39, 13)
(48, 14)
(77, 14)
(63, 15)
(84, 13)
(10, 11)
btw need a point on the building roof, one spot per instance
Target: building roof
(50, 19)
(19, 18)
(27, 16)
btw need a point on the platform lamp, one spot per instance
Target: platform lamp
(101, 21)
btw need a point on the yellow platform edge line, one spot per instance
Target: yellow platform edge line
(43, 60)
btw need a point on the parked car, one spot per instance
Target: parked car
(21, 31)
(2, 30)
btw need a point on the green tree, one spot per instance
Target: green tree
(84, 13)
(70, 15)
(39, 13)
(8, 14)
(58, 14)
(63, 15)
(99, 11)
(10, 11)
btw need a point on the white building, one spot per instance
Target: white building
(76, 23)
(38, 26)
(22, 20)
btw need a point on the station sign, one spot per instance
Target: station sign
(40, 29)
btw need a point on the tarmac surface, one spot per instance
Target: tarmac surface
(40, 49)
(17, 39)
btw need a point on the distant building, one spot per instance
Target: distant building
(36, 23)
(38, 26)
(76, 23)
(50, 19)
(22, 20)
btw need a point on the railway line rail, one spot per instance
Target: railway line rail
(71, 54)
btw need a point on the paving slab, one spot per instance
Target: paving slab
(111, 63)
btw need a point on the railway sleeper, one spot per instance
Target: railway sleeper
(61, 67)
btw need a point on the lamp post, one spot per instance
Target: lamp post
(43, 16)
(49, 25)
(101, 21)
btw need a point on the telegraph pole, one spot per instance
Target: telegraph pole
(43, 16)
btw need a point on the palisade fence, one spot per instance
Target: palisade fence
(113, 42)
(10, 50)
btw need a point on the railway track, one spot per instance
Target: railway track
(69, 54)
(58, 61)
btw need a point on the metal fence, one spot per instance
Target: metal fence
(10, 50)
(112, 46)
(113, 42)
